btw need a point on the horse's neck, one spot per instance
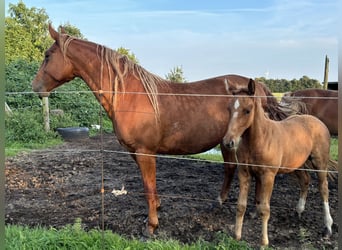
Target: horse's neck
(261, 124)
(98, 75)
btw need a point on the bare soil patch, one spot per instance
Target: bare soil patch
(54, 187)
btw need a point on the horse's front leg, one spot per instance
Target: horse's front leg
(147, 165)
(229, 171)
(266, 188)
(244, 183)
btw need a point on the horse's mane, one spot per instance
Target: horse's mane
(122, 66)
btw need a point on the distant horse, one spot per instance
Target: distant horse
(150, 115)
(271, 148)
(317, 102)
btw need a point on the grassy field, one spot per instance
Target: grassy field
(75, 238)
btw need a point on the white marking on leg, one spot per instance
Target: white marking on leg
(220, 200)
(300, 206)
(235, 114)
(328, 221)
(236, 104)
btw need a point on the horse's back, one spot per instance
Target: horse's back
(311, 126)
(318, 102)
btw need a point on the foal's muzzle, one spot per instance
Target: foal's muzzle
(231, 143)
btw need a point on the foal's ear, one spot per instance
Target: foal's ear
(251, 87)
(53, 33)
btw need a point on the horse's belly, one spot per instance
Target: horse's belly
(189, 143)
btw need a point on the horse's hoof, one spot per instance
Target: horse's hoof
(213, 206)
(326, 234)
(147, 232)
(220, 201)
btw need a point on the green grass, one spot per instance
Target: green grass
(74, 237)
(12, 149)
(334, 149)
(208, 157)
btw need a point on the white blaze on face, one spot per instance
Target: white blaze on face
(236, 106)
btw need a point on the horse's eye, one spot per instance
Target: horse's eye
(247, 111)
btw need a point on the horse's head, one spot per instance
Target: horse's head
(241, 113)
(55, 69)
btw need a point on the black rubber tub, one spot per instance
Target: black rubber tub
(73, 133)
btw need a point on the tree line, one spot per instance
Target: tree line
(27, 39)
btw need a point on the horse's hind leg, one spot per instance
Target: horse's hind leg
(318, 161)
(304, 181)
(229, 171)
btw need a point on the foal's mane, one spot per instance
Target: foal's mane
(122, 66)
(273, 109)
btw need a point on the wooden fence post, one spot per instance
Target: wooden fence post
(8, 110)
(326, 72)
(45, 101)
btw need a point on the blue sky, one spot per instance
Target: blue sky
(270, 38)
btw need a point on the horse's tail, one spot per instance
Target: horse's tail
(294, 104)
(333, 169)
(274, 110)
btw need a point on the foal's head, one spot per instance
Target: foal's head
(241, 113)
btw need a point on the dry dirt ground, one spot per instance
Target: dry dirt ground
(55, 187)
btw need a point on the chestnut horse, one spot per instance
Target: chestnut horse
(150, 115)
(268, 148)
(317, 102)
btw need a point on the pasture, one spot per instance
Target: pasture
(96, 181)
(57, 186)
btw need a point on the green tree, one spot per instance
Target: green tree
(128, 53)
(72, 30)
(26, 35)
(284, 85)
(19, 74)
(176, 75)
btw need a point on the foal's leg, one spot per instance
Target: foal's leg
(147, 166)
(229, 171)
(320, 159)
(323, 188)
(244, 183)
(266, 188)
(304, 181)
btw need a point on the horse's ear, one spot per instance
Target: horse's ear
(251, 87)
(53, 33)
(62, 30)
